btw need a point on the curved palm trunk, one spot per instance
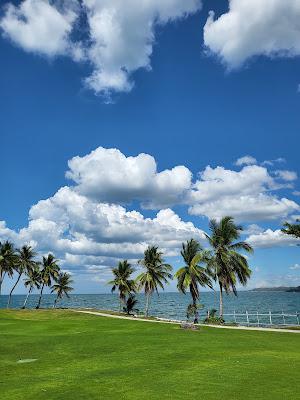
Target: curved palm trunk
(25, 302)
(221, 301)
(12, 289)
(40, 298)
(148, 295)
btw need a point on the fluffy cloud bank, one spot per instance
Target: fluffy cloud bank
(80, 230)
(256, 27)
(246, 195)
(108, 175)
(89, 228)
(120, 37)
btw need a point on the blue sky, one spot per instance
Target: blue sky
(193, 104)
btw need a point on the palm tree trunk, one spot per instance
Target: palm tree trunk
(120, 304)
(40, 298)
(1, 280)
(25, 302)
(221, 301)
(147, 304)
(196, 320)
(12, 289)
(195, 297)
(55, 301)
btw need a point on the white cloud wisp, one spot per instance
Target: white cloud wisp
(251, 28)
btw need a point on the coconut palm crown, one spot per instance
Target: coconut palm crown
(62, 286)
(8, 260)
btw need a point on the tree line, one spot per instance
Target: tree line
(37, 274)
(222, 263)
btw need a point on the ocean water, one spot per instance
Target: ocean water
(173, 305)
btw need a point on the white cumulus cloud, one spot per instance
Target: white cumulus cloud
(254, 27)
(40, 26)
(247, 208)
(85, 233)
(89, 229)
(245, 195)
(270, 238)
(123, 34)
(108, 175)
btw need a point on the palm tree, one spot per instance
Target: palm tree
(49, 272)
(122, 274)
(33, 280)
(62, 286)
(7, 260)
(131, 304)
(156, 273)
(228, 265)
(25, 262)
(193, 274)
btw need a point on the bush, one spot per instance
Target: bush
(212, 318)
(130, 305)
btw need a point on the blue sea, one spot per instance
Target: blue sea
(173, 305)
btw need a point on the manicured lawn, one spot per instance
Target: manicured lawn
(87, 357)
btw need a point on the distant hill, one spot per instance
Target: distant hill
(277, 289)
(294, 289)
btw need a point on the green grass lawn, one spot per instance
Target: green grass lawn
(82, 356)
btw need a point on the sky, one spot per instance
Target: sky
(129, 123)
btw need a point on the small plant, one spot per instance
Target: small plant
(130, 305)
(212, 318)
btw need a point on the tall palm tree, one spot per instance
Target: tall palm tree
(156, 274)
(8, 260)
(122, 281)
(24, 263)
(49, 272)
(228, 265)
(62, 286)
(33, 280)
(193, 274)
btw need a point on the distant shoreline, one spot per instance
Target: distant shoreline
(288, 289)
(244, 290)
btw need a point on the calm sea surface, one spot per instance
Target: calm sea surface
(173, 305)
